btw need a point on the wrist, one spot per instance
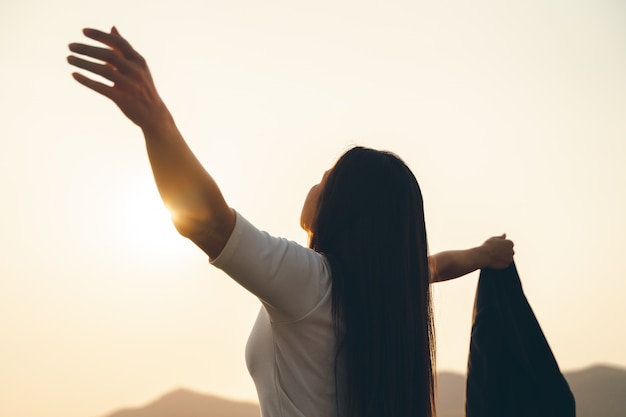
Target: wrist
(160, 124)
(482, 256)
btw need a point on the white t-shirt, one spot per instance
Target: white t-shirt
(291, 350)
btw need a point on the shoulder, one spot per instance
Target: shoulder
(286, 276)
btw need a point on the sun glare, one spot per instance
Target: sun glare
(147, 224)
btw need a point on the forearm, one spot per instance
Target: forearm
(496, 252)
(455, 263)
(198, 208)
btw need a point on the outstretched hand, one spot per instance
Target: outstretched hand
(499, 250)
(133, 90)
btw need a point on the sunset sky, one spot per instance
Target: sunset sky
(511, 114)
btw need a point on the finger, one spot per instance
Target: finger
(96, 86)
(115, 41)
(106, 71)
(102, 54)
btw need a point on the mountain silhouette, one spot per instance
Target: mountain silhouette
(450, 394)
(186, 403)
(599, 391)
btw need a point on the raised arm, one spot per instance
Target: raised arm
(198, 208)
(496, 252)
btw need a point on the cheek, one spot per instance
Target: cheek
(312, 197)
(309, 208)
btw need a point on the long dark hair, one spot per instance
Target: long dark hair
(370, 226)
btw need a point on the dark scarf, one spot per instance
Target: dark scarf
(511, 369)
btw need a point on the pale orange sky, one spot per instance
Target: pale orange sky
(512, 116)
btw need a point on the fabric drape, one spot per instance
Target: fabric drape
(511, 369)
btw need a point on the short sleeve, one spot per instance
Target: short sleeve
(287, 277)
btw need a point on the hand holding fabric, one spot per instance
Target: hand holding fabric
(499, 252)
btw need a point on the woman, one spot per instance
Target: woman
(345, 327)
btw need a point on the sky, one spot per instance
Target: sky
(512, 116)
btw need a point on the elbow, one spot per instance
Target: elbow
(191, 220)
(188, 226)
(209, 232)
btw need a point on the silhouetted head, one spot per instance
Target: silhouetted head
(369, 223)
(366, 191)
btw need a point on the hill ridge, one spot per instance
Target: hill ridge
(599, 391)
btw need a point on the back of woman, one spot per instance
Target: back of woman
(370, 226)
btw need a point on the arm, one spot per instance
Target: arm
(198, 208)
(496, 252)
